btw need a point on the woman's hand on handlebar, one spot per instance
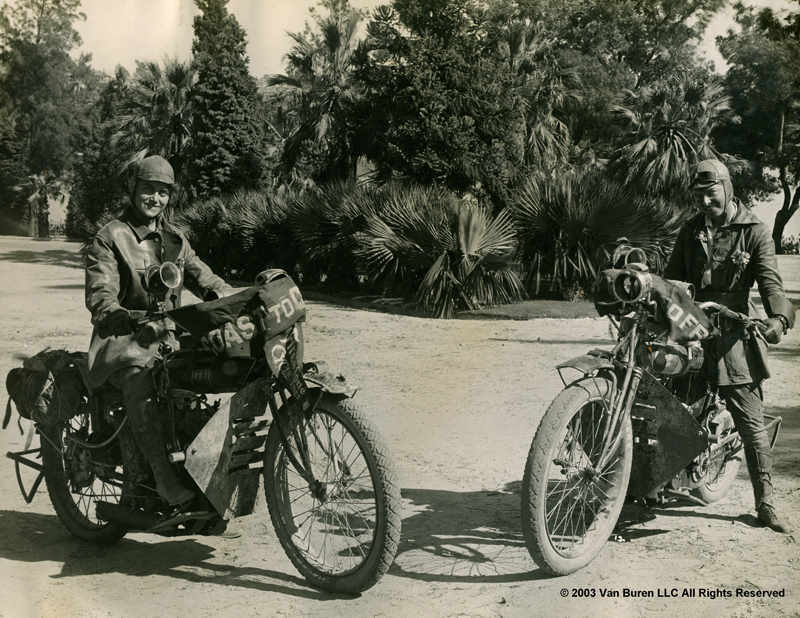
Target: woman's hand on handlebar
(772, 329)
(120, 323)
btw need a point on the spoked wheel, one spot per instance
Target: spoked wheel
(718, 468)
(569, 506)
(78, 477)
(341, 529)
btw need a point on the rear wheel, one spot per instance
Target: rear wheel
(569, 505)
(718, 467)
(342, 529)
(77, 477)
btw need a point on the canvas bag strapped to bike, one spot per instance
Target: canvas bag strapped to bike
(49, 387)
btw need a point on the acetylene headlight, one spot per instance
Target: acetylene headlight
(630, 286)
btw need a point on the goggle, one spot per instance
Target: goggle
(707, 176)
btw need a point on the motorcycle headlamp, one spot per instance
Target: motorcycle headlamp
(630, 286)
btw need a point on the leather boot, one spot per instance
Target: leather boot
(759, 465)
(147, 431)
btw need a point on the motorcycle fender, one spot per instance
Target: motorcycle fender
(317, 375)
(588, 363)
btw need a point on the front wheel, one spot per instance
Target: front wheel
(340, 530)
(569, 506)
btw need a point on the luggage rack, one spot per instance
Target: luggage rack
(22, 458)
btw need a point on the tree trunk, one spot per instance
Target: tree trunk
(790, 205)
(32, 220)
(44, 222)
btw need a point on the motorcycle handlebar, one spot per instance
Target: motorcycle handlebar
(138, 319)
(746, 320)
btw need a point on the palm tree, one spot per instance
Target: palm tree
(669, 128)
(155, 117)
(569, 226)
(545, 88)
(38, 189)
(443, 253)
(320, 90)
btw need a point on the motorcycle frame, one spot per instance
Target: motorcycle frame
(608, 364)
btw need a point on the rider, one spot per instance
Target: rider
(115, 265)
(723, 251)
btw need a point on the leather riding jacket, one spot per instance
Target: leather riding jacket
(115, 266)
(723, 269)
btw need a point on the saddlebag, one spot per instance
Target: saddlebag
(49, 387)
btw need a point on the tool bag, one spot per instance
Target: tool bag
(49, 387)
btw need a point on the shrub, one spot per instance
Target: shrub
(442, 253)
(790, 245)
(325, 222)
(568, 228)
(241, 234)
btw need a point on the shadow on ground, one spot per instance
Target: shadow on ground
(53, 257)
(473, 537)
(34, 537)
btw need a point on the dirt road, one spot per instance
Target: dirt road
(458, 403)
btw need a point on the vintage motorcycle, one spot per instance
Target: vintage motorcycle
(640, 421)
(330, 487)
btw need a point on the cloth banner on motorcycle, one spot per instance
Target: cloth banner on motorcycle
(49, 387)
(237, 325)
(677, 311)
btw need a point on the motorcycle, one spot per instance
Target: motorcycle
(330, 487)
(640, 421)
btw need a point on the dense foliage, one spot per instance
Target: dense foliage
(457, 153)
(228, 144)
(441, 105)
(764, 82)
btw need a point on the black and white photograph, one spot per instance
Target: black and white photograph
(399, 308)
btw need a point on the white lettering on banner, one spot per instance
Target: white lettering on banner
(244, 329)
(675, 313)
(229, 333)
(278, 354)
(296, 298)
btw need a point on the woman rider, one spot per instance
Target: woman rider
(723, 251)
(120, 255)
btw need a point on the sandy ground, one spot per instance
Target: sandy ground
(458, 403)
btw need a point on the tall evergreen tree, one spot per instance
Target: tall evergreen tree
(97, 190)
(442, 102)
(764, 81)
(227, 134)
(44, 93)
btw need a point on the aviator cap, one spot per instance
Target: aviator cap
(708, 173)
(156, 168)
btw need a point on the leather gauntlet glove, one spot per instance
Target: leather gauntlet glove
(119, 323)
(772, 330)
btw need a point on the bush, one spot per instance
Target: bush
(790, 246)
(241, 234)
(440, 252)
(326, 222)
(568, 228)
